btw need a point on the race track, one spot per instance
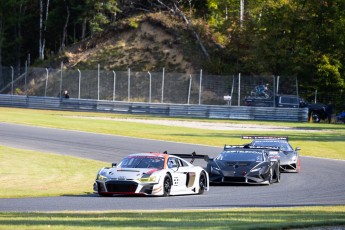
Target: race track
(321, 181)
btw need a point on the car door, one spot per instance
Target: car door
(178, 173)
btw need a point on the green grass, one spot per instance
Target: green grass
(44, 174)
(321, 140)
(65, 175)
(243, 218)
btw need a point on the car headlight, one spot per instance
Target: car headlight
(259, 168)
(294, 158)
(101, 177)
(256, 169)
(215, 169)
(146, 179)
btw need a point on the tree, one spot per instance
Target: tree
(44, 11)
(101, 13)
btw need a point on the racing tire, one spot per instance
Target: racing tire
(270, 176)
(167, 185)
(202, 183)
(278, 174)
(105, 194)
(315, 117)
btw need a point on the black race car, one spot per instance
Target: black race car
(289, 157)
(245, 164)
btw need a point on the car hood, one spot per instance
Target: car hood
(287, 156)
(126, 173)
(233, 165)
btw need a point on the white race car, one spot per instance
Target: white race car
(154, 174)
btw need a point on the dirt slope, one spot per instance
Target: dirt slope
(146, 43)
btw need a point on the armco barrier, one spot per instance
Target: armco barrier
(172, 110)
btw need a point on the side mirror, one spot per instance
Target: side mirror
(113, 165)
(297, 148)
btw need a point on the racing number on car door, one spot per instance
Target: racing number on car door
(178, 174)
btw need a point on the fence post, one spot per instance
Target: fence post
(150, 86)
(12, 74)
(79, 83)
(26, 74)
(190, 86)
(274, 91)
(129, 84)
(45, 90)
(98, 82)
(200, 87)
(232, 90)
(297, 93)
(315, 96)
(239, 90)
(114, 85)
(162, 86)
(61, 81)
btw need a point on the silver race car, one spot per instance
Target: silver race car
(289, 157)
(154, 174)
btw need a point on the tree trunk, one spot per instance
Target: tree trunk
(43, 29)
(64, 32)
(83, 31)
(177, 11)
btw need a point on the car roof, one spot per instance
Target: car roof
(269, 140)
(266, 137)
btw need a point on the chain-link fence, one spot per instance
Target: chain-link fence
(155, 87)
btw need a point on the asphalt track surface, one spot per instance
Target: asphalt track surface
(321, 181)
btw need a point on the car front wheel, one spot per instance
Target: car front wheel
(167, 185)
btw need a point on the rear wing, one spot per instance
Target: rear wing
(272, 151)
(273, 148)
(266, 137)
(191, 156)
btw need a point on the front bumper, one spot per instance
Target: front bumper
(250, 178)
(124, 187)
(290, 166)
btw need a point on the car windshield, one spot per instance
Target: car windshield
(142, 162)
(285, 146)
(234, 155)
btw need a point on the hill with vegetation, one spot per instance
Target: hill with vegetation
(294, 39)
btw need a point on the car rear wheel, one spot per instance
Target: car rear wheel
(202, 183)
(105, 194)
(167, 185)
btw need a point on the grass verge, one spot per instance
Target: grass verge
(322, 140)
(243, 218)
(319, 140)
(44, 174)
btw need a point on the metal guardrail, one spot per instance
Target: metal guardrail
(172, 110)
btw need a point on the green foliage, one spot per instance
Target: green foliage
(133, 23)
(281, 37)
(329, 75)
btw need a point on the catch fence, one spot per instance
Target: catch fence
(150, 87)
